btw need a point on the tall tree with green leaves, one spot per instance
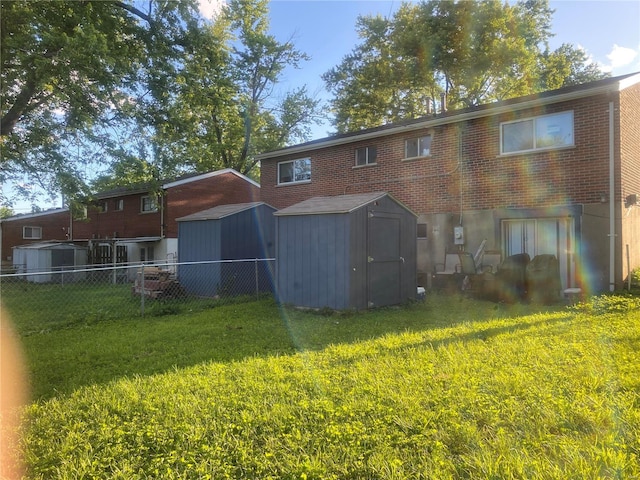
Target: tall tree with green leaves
(73, 74)
(472, 52)
(227, 108)
(135, 91)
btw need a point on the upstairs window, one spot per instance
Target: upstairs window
(537, 133)
(366, 156)
(32, 233)
(148, 204)
(103, 206)
(294, 171)
(417, 147)
(118, 205)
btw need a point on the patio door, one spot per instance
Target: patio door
(539, 236)
(384, 259)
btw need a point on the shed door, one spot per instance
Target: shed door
(384, 259)
(62, 258)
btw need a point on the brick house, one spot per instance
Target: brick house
(50, 225)
(132, 224)
(553, 173)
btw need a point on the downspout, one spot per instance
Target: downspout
(162, 198)
(612, 199)
(459, 132)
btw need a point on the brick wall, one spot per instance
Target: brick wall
(126, 223)
(630, 178)
(482, 180)
(179, 201)
(54, 228)
(192, 197)
(630, 143)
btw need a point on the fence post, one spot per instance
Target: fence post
(142, 292)
(257, 280)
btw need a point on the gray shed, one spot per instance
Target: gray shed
(346, 252)
(227, 232)
(42, 260)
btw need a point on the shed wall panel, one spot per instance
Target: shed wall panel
(313, 261)
(358, 251)
(199, 242)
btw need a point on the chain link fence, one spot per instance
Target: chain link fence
(125, 290)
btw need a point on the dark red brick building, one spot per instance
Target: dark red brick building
(554, 173)
(131, 224)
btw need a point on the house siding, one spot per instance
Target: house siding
(630, 178)
(224, 189)
(55, 227)
(130, 222)
(467, 181)
(465, 169)
(179, 199)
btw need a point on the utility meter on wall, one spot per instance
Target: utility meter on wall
(458, 235)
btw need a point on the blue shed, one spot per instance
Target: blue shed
(239, 231)
(346, 252)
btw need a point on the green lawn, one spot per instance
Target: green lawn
(448, 388)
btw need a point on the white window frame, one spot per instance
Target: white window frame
(33, 235)
(370, 156)
(297, 177)
(420, 150)
(118, 205)
(153, 202)
(537, 135)
(103, 206)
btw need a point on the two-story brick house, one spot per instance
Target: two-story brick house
(131, 224)
(554, 173)
(51, 225)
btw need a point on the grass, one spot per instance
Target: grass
(448, 388)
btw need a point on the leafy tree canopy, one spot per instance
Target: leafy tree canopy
(474, 52)
(128, 90)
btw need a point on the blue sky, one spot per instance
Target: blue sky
(608, 30)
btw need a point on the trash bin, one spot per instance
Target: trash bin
(511, 278)
(543, 279)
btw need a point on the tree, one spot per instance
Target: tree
(62, 65)
(6, 212)
(95, 87)
(473, 52)
(225, 110)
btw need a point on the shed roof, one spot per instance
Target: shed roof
(335, 204)
(49, 246)
(221, 211)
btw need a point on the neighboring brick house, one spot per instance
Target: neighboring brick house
(134, 224)
(552, 173)
(51, 225)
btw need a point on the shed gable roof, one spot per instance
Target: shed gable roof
(335, 204)
(221, 211)
(49, 246)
